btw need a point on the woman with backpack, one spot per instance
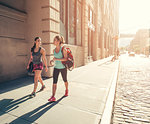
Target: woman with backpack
(60, 55)
(37, 54)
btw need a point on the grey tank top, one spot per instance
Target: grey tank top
(37, 59)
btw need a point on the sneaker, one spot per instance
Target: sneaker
(42, 88)
(52, 99)
(32, 94)
(30, 73)
(66, 93)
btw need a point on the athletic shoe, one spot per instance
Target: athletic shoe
(42, 88)
(66, 93)
(32, 94)
(52, 99)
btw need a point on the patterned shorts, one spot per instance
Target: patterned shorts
(38, 66)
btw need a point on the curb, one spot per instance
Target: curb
(101, 61)
(98, 62)
(107, 114)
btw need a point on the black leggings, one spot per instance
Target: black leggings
(56, 74)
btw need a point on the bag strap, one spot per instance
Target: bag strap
(62, 50)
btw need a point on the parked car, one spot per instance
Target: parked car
(132, 54)
(123, 52)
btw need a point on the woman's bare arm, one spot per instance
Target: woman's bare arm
(44, 57)
(30, 60)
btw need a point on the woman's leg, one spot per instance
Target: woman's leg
(36, 77)
(42, 83)
(54, 89)
(55, 79)
(64, 76)
(40, 80)
(66, 85)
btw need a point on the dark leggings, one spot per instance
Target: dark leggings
(56, 74)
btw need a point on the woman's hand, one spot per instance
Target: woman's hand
(46, 69)
(55, 59)
(51, 63)
(28, 67)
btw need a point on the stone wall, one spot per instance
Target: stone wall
(13, 48)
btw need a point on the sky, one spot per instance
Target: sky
(133, 15)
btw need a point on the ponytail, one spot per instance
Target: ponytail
(62, 40)
(32, 49)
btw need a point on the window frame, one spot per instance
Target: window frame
(67, 25)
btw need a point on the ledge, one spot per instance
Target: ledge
(13, 14)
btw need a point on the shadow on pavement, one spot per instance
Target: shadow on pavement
(7, 105)
(106, 63)
(36, 113)
(14, 84)
(17, 83)
(109, 62)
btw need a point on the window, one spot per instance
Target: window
(91, 19)
(63, 19)
(62, 10)
(105, 39)
(71, 21)
(71, 39)
(91, 16)
(99, 37)
(78, 23)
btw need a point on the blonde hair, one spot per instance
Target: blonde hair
(60, 38)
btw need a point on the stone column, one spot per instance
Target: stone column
(50, 27)
(95, 42)
(44, 21)
(102, 32)
(85, 29)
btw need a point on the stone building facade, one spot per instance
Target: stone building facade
(141, 42)
(88, 26)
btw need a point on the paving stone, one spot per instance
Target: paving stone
(142, 120)
(119, 119)
(125, 109)
(117, 122)
(121, 116)
(129, 115)
(133, 92)
(128, 121)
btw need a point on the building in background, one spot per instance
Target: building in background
(141, 42)
(90, 29)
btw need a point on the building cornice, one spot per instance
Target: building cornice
(13, 14)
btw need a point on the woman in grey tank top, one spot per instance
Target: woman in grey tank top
(37, 54)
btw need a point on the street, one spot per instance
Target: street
(132, 102)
